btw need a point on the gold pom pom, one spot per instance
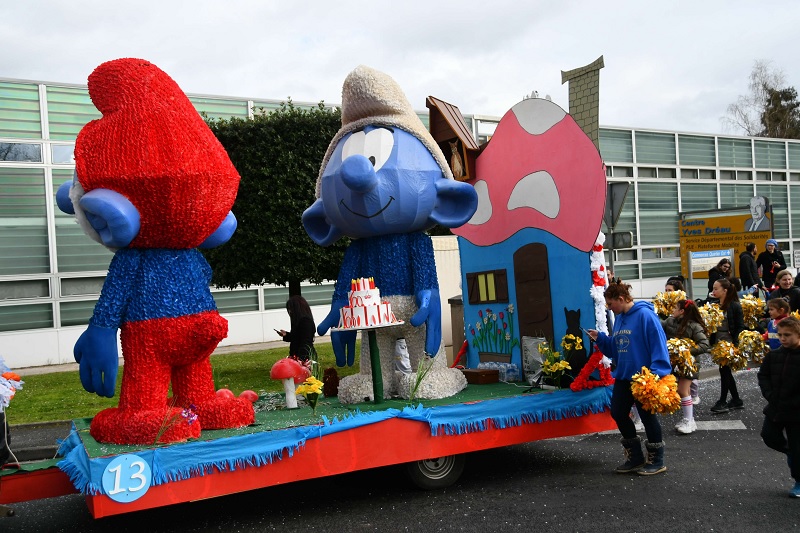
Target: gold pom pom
(753, 308)
(712, 317)
(680, 355)
(724, 353)
(664, 302)
(752, 346)
(657, 395)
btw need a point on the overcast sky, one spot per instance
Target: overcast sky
(672, 65)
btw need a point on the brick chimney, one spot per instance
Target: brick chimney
(584, 97)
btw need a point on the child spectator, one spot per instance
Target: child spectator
(779, 379)
(687, 323)
(778, 310)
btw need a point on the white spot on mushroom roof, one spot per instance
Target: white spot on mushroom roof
(484, 211)
(537, 191)
(536, 115)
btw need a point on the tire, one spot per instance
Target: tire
(436, 473)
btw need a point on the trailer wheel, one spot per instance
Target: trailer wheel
(437, 473)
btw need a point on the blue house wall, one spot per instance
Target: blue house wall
(570, 281)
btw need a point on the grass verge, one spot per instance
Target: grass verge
(60, 396)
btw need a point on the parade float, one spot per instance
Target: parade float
(527, 208)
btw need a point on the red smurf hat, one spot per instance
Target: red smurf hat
(152, 146)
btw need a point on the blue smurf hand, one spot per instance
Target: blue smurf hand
(332, 320)
(430, 313)
(96, 353)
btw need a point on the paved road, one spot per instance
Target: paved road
(718, 480)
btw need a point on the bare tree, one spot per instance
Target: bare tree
(746, 113)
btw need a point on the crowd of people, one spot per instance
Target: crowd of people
(639, 339)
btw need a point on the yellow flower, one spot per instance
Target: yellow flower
(543, 348)
(571, 342)
(310, 386)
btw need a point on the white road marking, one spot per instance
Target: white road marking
(720, 425)
(706, 425)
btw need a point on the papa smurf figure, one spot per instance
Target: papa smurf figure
(383, 182)
(152, 183)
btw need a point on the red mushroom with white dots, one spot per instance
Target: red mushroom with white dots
(290, 371)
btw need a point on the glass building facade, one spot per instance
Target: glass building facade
(51, 273)
(673, 172)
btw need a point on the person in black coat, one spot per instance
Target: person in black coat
(721, 271)
(779, 380)
(301, 336)
(787, 290)
(748, 270)
(770, 261)
(732, 325)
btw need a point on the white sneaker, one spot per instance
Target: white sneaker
(686, 426)
(695, 400)
(639, 425)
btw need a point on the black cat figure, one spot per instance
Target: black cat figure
(577, 356)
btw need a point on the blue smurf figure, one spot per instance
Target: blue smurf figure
(383, 182)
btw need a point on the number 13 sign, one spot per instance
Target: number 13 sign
(127, 478)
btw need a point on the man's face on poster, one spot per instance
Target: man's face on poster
(756, 209)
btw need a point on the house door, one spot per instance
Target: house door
(533, 291)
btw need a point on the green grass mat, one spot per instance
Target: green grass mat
(29, 467)
(275, 420)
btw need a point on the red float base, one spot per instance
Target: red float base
(402, 441)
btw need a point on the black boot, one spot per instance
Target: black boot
(655, 459)
(634, 458)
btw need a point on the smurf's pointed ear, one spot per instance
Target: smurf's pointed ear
(112, 216)
(63, 201)
(456, 202)
(223, 233)
(317, 226)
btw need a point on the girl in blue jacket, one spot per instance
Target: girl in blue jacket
(637, 340)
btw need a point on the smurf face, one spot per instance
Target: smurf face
(379, 181)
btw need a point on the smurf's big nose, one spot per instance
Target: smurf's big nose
(358, 174)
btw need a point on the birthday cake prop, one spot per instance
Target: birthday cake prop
(365, 308)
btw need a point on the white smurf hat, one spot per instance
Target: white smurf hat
(370, 97)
